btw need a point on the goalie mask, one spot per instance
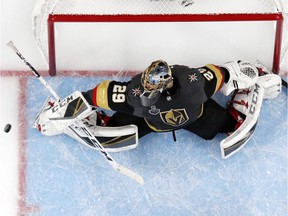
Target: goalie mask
(156, 78)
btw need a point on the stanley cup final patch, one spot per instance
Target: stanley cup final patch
(174, 117)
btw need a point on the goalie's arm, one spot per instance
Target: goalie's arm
(228, 77)
(109, 95)
(214, 77)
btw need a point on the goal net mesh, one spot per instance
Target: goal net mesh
(44, 8)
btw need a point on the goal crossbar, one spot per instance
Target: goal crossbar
(58, 18)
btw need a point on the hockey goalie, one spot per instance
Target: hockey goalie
(166, 98)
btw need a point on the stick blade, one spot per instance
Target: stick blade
(10, 44)
(129, 173)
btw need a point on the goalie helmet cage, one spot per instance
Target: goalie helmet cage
(49, 12)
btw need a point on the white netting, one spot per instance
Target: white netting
(40, 16)
(163, 6)
(112, 7)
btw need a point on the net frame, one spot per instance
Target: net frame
(55, 15)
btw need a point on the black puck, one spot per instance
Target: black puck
(7, 128)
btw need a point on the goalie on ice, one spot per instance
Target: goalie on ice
(167, 98)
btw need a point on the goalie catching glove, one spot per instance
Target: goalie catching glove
(243, 75)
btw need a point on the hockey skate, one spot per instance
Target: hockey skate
(272, 83)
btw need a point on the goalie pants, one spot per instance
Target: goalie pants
(215, 119)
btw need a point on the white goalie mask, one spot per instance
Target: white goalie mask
(156, 78)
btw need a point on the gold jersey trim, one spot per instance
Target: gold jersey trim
(117, 140)
(102, 96)
(218, 75)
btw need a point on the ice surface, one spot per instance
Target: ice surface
(187, 177)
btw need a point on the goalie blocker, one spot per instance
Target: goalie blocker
(59, 117)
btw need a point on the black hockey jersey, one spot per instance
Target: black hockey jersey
(177, 107)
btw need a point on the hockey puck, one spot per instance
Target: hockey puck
(7, 128)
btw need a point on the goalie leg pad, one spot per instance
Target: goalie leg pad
(113, 139)
(248, 103)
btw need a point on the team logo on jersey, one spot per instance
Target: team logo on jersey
(174, 117)
(192, 77)
(136, 91)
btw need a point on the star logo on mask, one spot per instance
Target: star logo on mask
(136, 91)
(192, 77)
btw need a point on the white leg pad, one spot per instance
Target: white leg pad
(113, 139)
(251, 109)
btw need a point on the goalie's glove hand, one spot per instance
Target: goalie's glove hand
(62, 114)
(242, 75)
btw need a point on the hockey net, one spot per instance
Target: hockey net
(70, 19)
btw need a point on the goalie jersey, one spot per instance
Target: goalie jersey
(176, 107)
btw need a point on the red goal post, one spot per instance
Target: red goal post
(51, 12)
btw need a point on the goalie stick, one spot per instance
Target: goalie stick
(80, 125)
